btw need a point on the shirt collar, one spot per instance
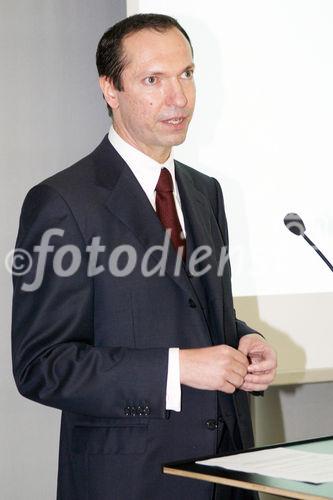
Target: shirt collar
(145, 169)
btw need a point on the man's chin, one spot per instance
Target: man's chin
(175, 139)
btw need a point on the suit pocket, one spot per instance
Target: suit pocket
(121, 439)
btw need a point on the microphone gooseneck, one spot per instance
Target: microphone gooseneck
(294, 223)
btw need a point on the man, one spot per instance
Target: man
(147, 367)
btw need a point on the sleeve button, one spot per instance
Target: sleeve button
(146, 410)
(133, 411)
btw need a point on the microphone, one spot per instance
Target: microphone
(294, 223)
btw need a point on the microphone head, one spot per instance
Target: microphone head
(294, 223)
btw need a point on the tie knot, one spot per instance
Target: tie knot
(164, 183)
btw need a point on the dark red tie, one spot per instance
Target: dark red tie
(166, 209)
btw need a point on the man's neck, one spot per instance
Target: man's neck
(159, 154)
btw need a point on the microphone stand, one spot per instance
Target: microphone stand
(318, 251)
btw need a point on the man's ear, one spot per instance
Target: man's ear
(109, 91)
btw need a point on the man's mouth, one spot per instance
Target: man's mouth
(175, 121)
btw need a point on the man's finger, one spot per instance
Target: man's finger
(228, 388)
(235, 379)
(240, 369)
(253, 387)
(262, 366)
(259, 379)
(240, 357)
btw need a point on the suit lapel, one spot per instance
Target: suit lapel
(197, 213)
(128, 202)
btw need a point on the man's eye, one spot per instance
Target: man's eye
(188, 74)
(150, 80)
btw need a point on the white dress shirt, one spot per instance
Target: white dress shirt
(147, 172)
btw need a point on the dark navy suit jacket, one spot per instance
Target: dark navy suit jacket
(96, 347)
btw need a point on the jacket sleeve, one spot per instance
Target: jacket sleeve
(55, 361)
(241, 326)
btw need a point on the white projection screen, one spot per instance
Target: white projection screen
(263, 126)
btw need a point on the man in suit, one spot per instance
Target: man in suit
(139, 347)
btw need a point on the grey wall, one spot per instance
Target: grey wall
(293, 412)
(52, 113)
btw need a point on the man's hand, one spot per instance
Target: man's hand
(263, 362)
(217, 368)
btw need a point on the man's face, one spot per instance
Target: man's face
(155, 107)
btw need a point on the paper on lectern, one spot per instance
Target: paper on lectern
(279, 462)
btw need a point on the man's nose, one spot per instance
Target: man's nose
(176, 95)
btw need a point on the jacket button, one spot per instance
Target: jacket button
(191, 303)
(211, 424)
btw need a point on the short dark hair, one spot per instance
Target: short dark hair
(110, 58)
